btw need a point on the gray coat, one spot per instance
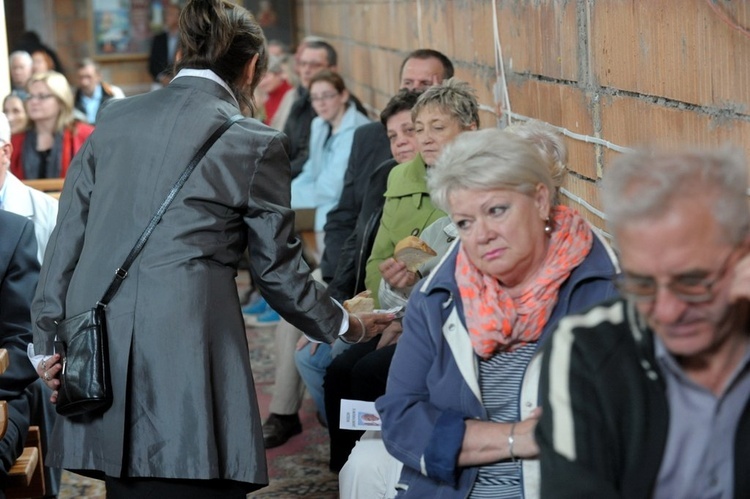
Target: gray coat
(184, 402)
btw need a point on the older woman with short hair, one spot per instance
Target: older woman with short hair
(459, 409)
(441, 113)
(53, 135)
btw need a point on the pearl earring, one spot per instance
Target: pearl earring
(548, 227)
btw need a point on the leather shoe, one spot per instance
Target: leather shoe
(278, 429)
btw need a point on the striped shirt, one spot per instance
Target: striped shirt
(500, 379)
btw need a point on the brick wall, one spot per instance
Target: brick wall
(630, 72)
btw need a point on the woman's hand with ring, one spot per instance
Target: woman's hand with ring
(48, 370)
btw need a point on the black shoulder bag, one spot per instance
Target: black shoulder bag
(81, 340)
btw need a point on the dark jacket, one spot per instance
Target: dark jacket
(19, 272)
(349, 277)
(370, 148)
(611, 444)
(72, 141)
(433, 384)
(158, 59)
(106, 95)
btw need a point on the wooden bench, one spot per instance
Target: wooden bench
(26, 476)
(4, 362)
(51, 186)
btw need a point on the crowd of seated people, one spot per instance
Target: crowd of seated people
(460, 382)
(345, 224)
(440, 114)
(50, 120)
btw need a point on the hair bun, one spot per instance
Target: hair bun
(204, 25)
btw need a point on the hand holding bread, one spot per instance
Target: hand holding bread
(401, 270)
(413, 252)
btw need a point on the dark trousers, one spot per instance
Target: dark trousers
(167, 488)
(359, 373)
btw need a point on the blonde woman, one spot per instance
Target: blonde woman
(53, 135)
(459, 409)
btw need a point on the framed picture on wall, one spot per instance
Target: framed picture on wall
(275, 17)
(126, 27)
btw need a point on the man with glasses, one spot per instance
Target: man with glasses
(648, 396)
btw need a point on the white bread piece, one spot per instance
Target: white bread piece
(412, 251)
(360, 304)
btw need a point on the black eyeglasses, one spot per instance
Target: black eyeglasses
(688, 288)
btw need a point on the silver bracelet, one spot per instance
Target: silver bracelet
(511, 441)
(361, 337)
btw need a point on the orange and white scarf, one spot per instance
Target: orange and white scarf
(498, 322)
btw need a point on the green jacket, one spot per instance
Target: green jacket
(408, 210)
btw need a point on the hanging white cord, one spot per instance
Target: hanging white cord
(499, 66)
(585, 138)
(583, 203)
(419, 22)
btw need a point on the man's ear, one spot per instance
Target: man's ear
(250, 69)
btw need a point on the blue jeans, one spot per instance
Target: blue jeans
(312, 369)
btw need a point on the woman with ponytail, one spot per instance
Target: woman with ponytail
(184, 419)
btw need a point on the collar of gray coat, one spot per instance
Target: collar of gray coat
(209, 75)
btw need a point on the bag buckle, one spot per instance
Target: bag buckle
(121, 273)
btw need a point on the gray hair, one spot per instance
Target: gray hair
(487, 160)
(277, 64)
(645, 183)
(21, 54)
(86, 62)
(549, 142)
(453, 96)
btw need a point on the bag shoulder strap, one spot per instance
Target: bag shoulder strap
(122, 272)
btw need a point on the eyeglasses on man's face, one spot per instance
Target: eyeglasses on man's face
(311, 64)
(693, 287)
